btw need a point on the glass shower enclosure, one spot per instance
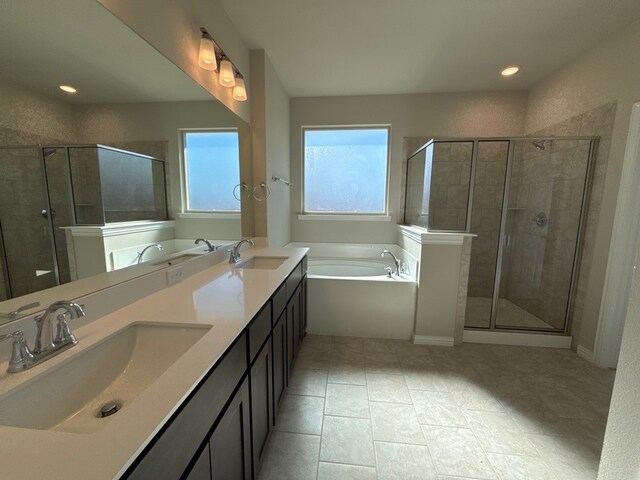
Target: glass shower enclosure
(44, 188)
(525, 201)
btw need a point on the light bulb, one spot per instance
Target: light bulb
(207, 54)
(239, 90)
(227, 78)
(508, 71)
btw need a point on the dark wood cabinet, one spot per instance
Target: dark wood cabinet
(202, 468)
(279, 337)
(229, 444)
(221, 431)
(261, 401)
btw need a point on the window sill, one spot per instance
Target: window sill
(210, 215)
(351, 218)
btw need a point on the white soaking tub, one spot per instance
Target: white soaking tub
(349, 292)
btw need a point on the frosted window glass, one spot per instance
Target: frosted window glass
(212, 164)
(345, 171)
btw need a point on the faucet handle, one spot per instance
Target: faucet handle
(63, 334)
(21, 356)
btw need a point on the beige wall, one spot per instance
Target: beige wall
(173, 28)
(270, 149)
(459, 114)
(30, 118)
(609, 72)
(622, 443)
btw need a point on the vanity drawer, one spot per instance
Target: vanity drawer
(304, 266)
(279, 302)
(293, 280)
(259, 330)
(174, 447)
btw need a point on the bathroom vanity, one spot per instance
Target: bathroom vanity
(207, 413)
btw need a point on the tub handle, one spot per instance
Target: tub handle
(389, 270)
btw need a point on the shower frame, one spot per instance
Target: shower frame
(511, 141)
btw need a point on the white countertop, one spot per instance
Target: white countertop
(221, 296)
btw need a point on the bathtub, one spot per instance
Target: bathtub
(349, 292)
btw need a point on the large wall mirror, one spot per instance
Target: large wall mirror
(140, 155)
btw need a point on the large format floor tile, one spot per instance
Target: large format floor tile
(361, 409)
(347, 440)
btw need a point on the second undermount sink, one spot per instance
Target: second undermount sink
(262, 263)
(70, 397)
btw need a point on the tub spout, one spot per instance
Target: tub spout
(395, 260)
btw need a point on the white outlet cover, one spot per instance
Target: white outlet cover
(174, 275)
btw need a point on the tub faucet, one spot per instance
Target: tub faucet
(210, 248)
(153, 245)
(395, 260)
(234, 252)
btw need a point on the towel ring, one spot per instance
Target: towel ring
(265, 189)
(240, 186)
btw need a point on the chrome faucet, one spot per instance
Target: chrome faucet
(47, 344)
(210, 248)
(234, 256)
(395, 260)
(153, 245)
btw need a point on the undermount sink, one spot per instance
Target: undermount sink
(70, 397)
(262, 263)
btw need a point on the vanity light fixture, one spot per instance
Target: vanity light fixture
(68, 89)
(227, 76)
(239, 89)
(509, 71)
(207, 52)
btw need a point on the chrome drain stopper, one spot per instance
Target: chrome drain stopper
(109, 409)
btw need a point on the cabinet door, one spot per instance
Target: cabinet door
(230, 442)
(292, 331)
(279, 337)
(303, 308)
(261, 401)
(202, 468)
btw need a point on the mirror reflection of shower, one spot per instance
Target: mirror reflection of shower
(61, 186)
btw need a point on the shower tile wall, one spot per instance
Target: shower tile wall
(596, 122)
(537, 265)
(415, 189)
(22, 197)
(15, 203)
(450, 185)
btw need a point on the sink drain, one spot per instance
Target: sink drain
(109, 409)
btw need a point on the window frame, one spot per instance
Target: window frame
(312, 215)
(185, 211)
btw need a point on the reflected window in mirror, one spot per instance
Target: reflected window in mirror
(211, 168)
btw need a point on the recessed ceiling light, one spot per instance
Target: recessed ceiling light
(508, 71)
(68, 89)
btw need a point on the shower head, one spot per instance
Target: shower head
(47, 152)
(539, 144)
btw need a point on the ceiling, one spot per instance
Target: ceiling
(45, 43)
(355, 47)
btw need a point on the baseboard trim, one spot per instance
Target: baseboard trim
(428, 340)
(585, 353)
(516, 338)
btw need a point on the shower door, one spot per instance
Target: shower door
(28, 259)
(486, 215)
(546, 189)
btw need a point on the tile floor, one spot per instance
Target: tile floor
(509, 314)
(360, 409)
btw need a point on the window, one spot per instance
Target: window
(345, 170)
(211, 170)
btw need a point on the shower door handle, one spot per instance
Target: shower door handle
(507, 240)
